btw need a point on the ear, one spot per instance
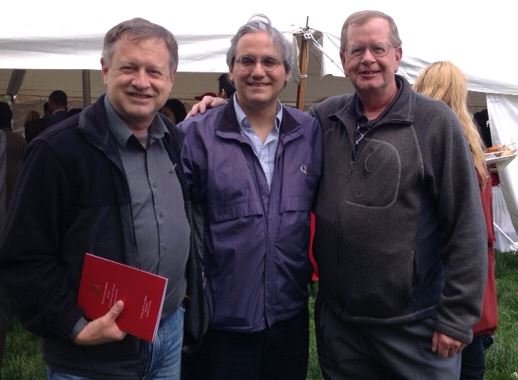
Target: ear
(173, 77)
(104, 70)
(342, 59)
(399, 54)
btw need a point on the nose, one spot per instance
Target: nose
(140, 79)
(258, 69)
(368, 57)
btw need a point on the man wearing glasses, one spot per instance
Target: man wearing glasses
(252, 168)
(400, 235)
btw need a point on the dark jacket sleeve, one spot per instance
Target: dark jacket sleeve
(30, 253)
(464, 234)
(196, 318)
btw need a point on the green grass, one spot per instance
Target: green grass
(502, 356)
(313, 368)
(23, 360)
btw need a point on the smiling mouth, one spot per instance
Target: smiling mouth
(139, 96)
(140, 99)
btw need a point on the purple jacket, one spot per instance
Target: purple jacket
(255, 239)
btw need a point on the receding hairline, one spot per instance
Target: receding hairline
(362, 17)
(137, 30)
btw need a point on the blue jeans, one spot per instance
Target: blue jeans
(164, 354)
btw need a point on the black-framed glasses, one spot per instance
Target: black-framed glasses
(248, 62)
(378, 49)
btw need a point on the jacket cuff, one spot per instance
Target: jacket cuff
(464, 335)
(80, 324)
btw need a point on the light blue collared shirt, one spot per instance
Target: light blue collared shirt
(265, 152)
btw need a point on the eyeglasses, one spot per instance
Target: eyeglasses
(248, 62)
(378, 49)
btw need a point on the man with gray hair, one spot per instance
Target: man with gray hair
(109, 182)
(252, 168)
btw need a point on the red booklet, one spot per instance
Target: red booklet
(104, 282)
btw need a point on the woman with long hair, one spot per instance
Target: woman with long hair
(445, 82)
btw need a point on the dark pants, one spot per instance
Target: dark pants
(277, 353)
(473, 358)
(379, 352)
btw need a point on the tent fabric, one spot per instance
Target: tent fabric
(33, 36)
(503, 119)
(58, 39)
(505, 235)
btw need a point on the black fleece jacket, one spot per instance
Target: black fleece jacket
(400, 232)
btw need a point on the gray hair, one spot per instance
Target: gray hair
(139, 29)
(261, 23)
(361, 17)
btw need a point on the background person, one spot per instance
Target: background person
(445, 82)
(226, 88)
(55, 111)
(174, 110)
(58, 107)
(30, 116)
(107, 181)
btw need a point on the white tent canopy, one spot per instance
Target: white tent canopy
(68, 35)
(55, 40)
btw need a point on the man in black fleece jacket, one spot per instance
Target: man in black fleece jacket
(400, 234)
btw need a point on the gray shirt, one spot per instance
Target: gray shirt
(161, 228)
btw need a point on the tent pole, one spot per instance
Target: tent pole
(86, 87)
(15, 83)
(303, 68)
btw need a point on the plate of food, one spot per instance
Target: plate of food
(499, 153)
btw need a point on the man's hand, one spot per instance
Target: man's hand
(445, 346)
(204, 104)
(103, 329)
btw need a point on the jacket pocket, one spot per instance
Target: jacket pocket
(376, 283)
(295, 203)
(235, 264)
(293, 228)
(375, 178)
(235, 210)
(291, 245)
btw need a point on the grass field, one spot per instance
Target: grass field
(23, 361)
